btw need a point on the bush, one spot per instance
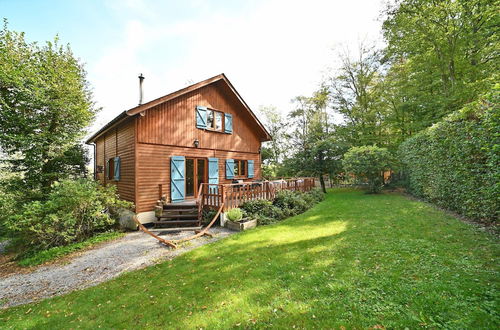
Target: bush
(368, 163)
(255, 206)
(235, 214)
(7, 209)
(208, 215)
(456, 163)
(291, 202)
(73, 211)
(286, 203)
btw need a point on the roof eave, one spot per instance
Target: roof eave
(123, 115)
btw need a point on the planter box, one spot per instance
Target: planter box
(241, 225)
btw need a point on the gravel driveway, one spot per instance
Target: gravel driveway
(133, 251)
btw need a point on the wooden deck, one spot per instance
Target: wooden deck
(233, 195)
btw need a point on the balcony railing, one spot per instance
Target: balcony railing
(235, 194)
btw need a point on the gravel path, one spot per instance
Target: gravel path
(133, 251)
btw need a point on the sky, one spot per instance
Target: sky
(272, 51)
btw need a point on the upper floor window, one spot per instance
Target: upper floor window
(214, 120)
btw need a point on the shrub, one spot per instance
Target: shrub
(234, 214)
(286, 203)
(255, 206)
(291, 201)
(208, 215)
(7, 209)
(368, 162)
(73, 211)
(456, 163)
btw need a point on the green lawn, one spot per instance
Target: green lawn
(354, 260)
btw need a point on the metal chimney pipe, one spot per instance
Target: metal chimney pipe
(141, 78)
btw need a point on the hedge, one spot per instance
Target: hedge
(455, 163)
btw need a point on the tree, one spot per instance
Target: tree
(316, 152)
(45, 106)
(448, 50)
(273, 151)
(369, 163)
(355, 94)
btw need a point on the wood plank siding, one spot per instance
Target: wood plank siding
(119, 141)
(153, 168)
(169, 129)
(174, 123)
(147, 136)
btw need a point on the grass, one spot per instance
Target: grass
(40, 257)
(354, 261)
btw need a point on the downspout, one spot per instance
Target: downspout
(95, 161)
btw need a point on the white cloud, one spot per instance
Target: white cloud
(273, 51)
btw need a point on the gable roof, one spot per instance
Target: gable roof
(146, 106)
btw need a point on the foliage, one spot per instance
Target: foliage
(355, 93)
(255, 206)
(7, 208)
(45, 105)
(356, 261)
(274, 150)
(456, 163)
(368, 163)
(208, 215)
(234, 214)
(446, 52)
(40, 257)
(73, 211)
(286, 203)
(316, 150)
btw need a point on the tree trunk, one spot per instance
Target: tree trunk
(322, 182)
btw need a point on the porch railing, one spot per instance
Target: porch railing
(235, 194)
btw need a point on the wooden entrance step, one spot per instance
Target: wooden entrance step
(160, 230)
(179, 216)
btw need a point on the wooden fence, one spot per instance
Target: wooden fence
(235, 194)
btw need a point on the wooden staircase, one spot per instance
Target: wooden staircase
(179, 216)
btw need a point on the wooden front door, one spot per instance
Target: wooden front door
(196, 173)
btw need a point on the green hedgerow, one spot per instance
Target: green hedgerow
(456, 163)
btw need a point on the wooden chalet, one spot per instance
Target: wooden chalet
(197, 146)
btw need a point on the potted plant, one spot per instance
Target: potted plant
(235, 220)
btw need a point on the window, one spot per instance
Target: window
(210, 119)
(214, 120)
(218, 121)
(111, 169)
(240, 167)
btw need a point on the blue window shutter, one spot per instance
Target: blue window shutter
(213, 174)
(250, 169)
(201, 117)
(213, 170)
(228, 123)
(177, 178)
(229, 168)
(117, 168)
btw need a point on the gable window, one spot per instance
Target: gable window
(240, 167)
(214, 120)
(218, 121)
